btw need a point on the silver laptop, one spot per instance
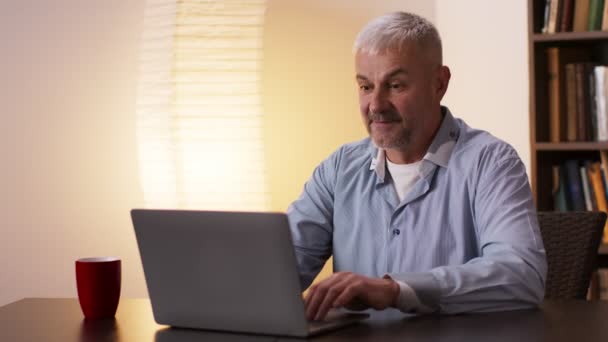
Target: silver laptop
(228, 271)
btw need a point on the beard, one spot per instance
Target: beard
(399, 135)
(399, 141)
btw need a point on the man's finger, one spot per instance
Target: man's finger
(310, 301)
(348, 294)
(316, 298)
(311, 291)
(330, 296)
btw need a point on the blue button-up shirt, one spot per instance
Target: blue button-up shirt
(465, 238)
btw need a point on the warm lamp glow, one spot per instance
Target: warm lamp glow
(199, 105)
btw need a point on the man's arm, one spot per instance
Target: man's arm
(511, 270)
(311, 221)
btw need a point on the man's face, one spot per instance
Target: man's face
(398, 95)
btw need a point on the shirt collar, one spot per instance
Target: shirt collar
(443, 143)
(439, 151)
(378, 163)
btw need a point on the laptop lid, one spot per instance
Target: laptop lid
(232, 271)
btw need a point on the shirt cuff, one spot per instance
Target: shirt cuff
(407, 300)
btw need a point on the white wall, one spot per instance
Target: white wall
(486, 47)
(67, 143)
(67, 135)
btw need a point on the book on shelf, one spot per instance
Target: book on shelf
(546, 13)
(581, 16)
(557, 58)
(580, 185)
(587, 189)
(567, 15)
(571, 108)
(591, 102)
(594, 192)
(600, 79)
(604, 169)
(595, 180)
(574, 186)
(574, 16)
(605, 16)
(596, 11)
(552, 19)
(583, 117)
(559, 189)
(576, 95)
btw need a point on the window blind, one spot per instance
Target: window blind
(199, 111)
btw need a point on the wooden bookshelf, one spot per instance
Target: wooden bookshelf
(544, 153)
(569, 36)
(571, 146)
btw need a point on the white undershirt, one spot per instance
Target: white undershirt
(404, 178)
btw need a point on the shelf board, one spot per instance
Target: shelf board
(569, 36)
(572, 146)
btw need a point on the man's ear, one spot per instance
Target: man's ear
(443, 79)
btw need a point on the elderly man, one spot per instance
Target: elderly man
(427, 214)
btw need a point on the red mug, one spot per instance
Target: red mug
(98, 283)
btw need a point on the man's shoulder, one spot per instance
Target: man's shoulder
(478, 154)
(355, 149)
(475, 144)
(360, 149)
(351, 155)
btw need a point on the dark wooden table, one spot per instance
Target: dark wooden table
(61, 320)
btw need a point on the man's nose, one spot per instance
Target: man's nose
(378, 102)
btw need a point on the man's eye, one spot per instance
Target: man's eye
(396, 85)
(364, 87)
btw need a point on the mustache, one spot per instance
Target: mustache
(384, 116)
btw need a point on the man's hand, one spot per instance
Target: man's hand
(353, 291)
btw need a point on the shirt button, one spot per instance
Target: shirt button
(396, 232)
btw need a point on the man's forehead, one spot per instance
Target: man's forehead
(395, 72)
(411, 56)
(387, 64)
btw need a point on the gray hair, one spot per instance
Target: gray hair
(393, 30)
